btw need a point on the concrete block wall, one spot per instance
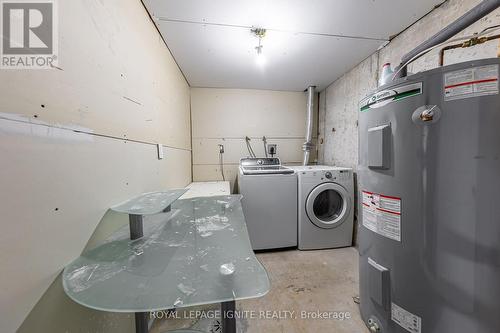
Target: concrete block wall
(338, 103)
(338, 106)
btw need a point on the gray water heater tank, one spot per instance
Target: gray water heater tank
(429, 202)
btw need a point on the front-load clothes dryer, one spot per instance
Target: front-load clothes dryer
(325, 207)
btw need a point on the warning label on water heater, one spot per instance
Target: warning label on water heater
(407, 320)
(471, 82)
(382, 214)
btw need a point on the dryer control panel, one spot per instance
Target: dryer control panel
(327, 174)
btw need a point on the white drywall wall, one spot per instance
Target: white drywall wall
(226, 116)
(117, 83)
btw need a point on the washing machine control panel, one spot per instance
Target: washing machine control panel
(328, 175)
(264, 161)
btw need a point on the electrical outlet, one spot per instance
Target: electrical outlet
(272, 149)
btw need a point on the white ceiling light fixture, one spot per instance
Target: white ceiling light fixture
(260, 33)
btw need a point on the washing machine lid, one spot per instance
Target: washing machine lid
(275, 170)
(328, 205)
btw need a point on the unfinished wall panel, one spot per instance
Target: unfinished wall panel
(67, 180)
(226, 116)
(115, 77)
(119, 88)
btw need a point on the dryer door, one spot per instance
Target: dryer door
(328, 205)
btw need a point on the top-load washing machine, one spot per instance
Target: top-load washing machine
(325, 207)
(269, 202)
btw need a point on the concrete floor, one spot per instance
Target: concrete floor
(302, 283)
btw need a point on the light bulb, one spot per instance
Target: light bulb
(260, 60)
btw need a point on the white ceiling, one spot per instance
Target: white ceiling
(308, 42)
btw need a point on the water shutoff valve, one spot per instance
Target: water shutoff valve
(373, 325)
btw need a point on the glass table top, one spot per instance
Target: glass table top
(198, 253)
(149, 203)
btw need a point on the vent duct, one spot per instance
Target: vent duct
(308, 145)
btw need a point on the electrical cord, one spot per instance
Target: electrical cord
(221, 164)
(264, 140)
(489, 28)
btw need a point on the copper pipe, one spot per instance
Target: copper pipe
(471, 42)
(449, 47)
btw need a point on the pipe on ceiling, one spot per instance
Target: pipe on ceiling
(466, 20)
(308, 145)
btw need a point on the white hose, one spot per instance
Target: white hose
(249, 147)
(221, 163)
